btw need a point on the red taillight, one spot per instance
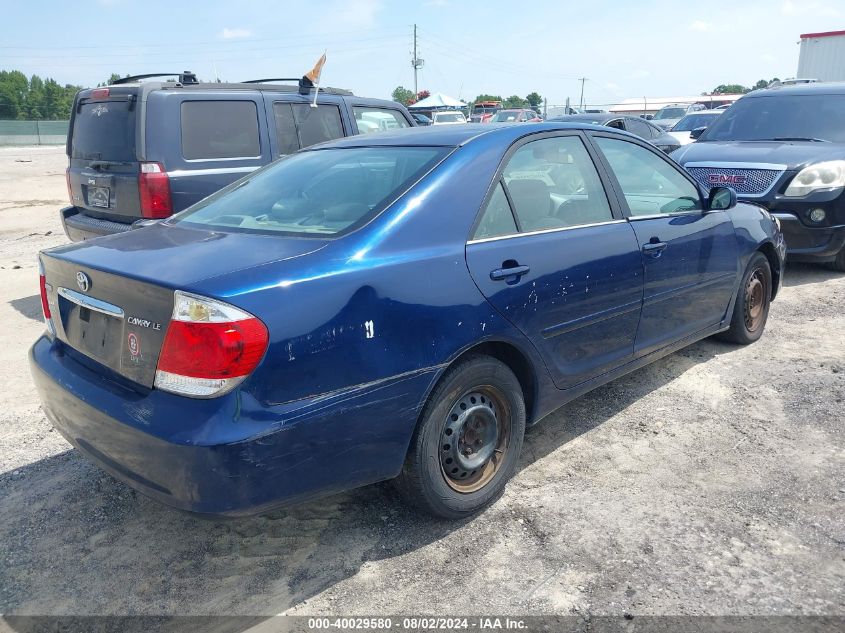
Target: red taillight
(154, 188)
(100, 93)
(209, 347)
(213, 350)
(45, 299)
(45, 305)
(69, 190)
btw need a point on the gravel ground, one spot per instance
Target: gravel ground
(711, 482)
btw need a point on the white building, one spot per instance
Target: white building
(822, 56)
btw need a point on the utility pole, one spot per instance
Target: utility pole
(581, 102)
(416, 62)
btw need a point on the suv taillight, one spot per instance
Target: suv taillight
(210, 347)
(154, 189)
(69, 190)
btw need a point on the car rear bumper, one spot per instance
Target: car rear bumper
(811, 244)
(79, 226)
(228, 456)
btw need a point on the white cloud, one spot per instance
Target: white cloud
(640, 73)
(701, 25)
(235, 34)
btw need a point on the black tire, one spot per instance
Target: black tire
(459, 406)
(838, 264)
(751, 308)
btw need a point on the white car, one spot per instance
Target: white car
(690, 122)
(448, 117)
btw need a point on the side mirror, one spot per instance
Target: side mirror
(721, 199)
(697, 132)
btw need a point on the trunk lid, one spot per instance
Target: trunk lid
(115, 321)
(112, 298)
(104, 165)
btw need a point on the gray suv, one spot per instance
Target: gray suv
(145, 150)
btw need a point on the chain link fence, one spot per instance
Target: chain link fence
(26, 133)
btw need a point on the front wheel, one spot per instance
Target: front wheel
(839, 262)
(751, 308)
(468, 441)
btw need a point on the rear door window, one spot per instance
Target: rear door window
(219, 129)
(299, 125)
(553, 183)
(104, 130)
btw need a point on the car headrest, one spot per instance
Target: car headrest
(530, 197)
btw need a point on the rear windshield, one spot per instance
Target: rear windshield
(670, 113)
(693, 121)
(506, 115)
(104, 130)
(791, 117)
(323, 192)
(449, 117)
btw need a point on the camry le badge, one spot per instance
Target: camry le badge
(83, 281)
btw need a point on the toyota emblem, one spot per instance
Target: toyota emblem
(83, 281)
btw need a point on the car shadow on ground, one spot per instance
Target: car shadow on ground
(74, 540)
(30, 307)
(799, 274)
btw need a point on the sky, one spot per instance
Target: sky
(625, 49)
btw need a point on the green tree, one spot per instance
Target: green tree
(402, 95)
(730, 89)
(35, 98)
(534, 100)
(10, 107)
(514, 102)
(484, 97)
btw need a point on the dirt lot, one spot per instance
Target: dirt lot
(712, 482)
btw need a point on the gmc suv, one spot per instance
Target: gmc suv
(145, 150)
(783, 148)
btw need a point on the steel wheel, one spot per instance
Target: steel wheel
(756, 293)
(466, 445)
(475, 439)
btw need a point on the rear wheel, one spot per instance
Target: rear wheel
(751, 309)
(468, 441)
(839, 262)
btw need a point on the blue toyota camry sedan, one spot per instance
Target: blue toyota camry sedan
(395, 306)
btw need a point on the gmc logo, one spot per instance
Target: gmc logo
(727, 179)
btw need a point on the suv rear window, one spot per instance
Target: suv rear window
(104, 130)
(219, 129)
(321, 192)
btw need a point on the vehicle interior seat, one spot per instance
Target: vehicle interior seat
(533, 204)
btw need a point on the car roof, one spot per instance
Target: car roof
(598, 117)
(815, 88)
(452, 135)
(714, 111)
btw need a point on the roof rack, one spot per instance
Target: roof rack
(186, 77)
(265, 81)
